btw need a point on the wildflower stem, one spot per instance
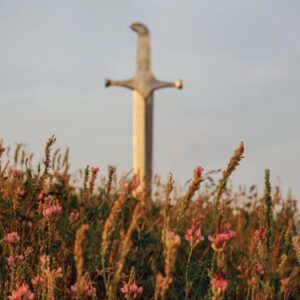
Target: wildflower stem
(187, 283)
(103, 271)
(166, 211)
(184, 203)
(268, 213)
(268, 204)
(233, 163)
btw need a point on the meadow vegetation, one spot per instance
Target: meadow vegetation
(99, 237)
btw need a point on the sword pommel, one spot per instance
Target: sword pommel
(139, 28)
(178, 84)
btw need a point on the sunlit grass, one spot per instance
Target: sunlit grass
(104, 239)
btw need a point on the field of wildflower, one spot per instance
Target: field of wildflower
(100, 237)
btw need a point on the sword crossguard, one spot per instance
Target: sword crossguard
(144, 82)
(124, 83)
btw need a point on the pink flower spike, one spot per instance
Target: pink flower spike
(284, 283)
(15, 173)
(51, 212)
(58, 272)
(22, 293)
(125, 288)
(74, 215)
(22, 192)
(20, 259)
(11, 238)
(89, 291)
(95, 170)
(198, 233)
(74, 289)
(193, 235)
(259, 268)
(188, 236)
(10, 260)
(135, 183)
(84, 288)
(252, 280)
(41, 196)
(198, 171)
(232, 234)
(37, 280)
(219, 284)
(261, 233)
(222, 236)
(131, 289)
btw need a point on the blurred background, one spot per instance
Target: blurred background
(239, 60)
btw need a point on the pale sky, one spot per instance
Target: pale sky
(239, 61)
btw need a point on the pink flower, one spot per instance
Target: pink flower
(10, 260)
(193, 235)
(222, 237)
(40, 280)
(261, 233)
(95, 170)
(188, 235)
(67, 178)
(37, 281)
(11, 238)
(252, 280)
(51, 211)
(259, 269)
(219, 284)
(44, 259)
(74, 215)
(15, 173)
(198, 171)
(22, 192)
(284, 283)
(74, 289)
(22, 293)
(58, 272)
(131, 289)
(86, 288)
(41, 196)
(20, 259)
(135, 183)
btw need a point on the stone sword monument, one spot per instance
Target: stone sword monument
(143, 84)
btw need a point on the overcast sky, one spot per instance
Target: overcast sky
(239, 61)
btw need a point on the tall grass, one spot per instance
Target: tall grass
(104, 239)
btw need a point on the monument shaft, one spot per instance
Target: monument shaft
(143, 85)
(143, 137)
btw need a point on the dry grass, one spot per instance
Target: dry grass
(104, 240)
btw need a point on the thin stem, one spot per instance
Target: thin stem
(187, 283)
(103, 270)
